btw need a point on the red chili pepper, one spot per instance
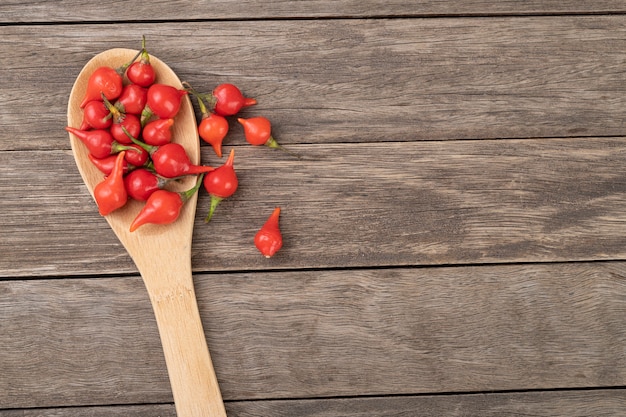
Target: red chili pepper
(138, 155)
(157, 132)
(171, 160)
(163, 206)
(132, 100)
(141, 183)
(96, 115)
(104, 80)
(213, 127)
(142, 72)
(99, 142)
(221, 183)
(258, 131)
(228, 100)
(163, 101)
(131, 123)
(269, 239)
(110, 194)
(106, 164)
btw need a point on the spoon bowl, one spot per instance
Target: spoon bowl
(162, 253)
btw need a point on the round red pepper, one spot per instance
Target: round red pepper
(104, 80)
(132, 100)
(110, 194)
(269, 239)
(163, 206)
(228, 100)
(221, 183)
(258, 131)
(157, 132)
(106, 164)
(171, 160)
(96, 115)
(141, 183)
(142, 72)
(163, 101)
(99, 142)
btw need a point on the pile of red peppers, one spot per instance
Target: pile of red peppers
(126, 127)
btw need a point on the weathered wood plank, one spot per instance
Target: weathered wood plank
(597, 403)
(605, 403)
(323, 334)
(350, 80)
(414, 203)
(14, 11)
(149, 410)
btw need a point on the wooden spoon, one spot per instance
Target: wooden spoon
(162, 254)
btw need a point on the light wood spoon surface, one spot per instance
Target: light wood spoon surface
(162, 253)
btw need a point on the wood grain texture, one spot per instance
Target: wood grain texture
(393, 204)
(12, 11)
(351, 80)
(546, 404)
(600, 403)
(323, 334)
(455, 228)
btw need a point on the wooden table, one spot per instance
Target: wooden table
(455, 233)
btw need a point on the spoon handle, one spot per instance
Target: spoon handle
(192, 377)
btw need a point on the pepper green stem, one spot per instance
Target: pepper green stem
(215, 201)
(201, 98)
(145, 57)
(146, 114)
(148, 148)
(186, 195)
(114, 112)
(122, 69)
(149, 165)
(198, 97)
(271, 143)
(117, 147)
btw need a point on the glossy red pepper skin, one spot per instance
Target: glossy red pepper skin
(106, 164)
(212, 129)
(136, 155)
(163, 101)
(142, 72)
(163, 206)
(96, 116)
(258, 131)
(121, 119)
(157, 132)
(171, 160)
(132, 100)
(228, 100)
(110, 194)
(269, 238)
(99, 142)
(141, 183)
(221, 183)
(104, 80)
(131, 123)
